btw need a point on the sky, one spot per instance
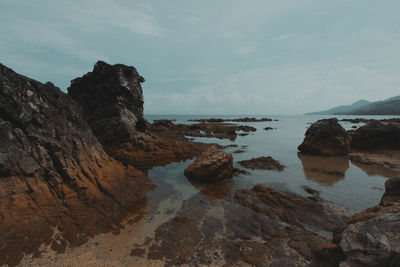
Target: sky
(214, 57)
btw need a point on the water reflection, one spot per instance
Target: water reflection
(324, 170)
(217, 190)
(372, 170)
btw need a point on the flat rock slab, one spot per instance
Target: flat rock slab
(262, 163)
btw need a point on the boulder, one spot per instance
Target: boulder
(375, 242)
(210, 166)
(326, 138)
(377, 135)
(112, 100)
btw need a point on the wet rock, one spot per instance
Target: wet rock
(376, 136)
(54, 173)
(210, 166)
(392, 192)
(233, 120)
(326, 138)
(311, 191)
(209, 130)
(375, 242)
(268, 128)
(262, 227)
(262, 163)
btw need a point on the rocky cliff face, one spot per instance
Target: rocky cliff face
(54, 174)
(112, 100)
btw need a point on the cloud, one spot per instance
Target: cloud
(279, 90)
(191, 20)
(282, 37)
(246, 48)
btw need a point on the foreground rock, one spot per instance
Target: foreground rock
(262, 163)
(54, 173)
(377, 136)
(262, 227)
(326, 138)
(372, 237)
(112, 98)
(210, 166)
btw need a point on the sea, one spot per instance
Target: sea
(360, 186)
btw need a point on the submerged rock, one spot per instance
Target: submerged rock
(210, 166)
(262, 163)
(326, 138)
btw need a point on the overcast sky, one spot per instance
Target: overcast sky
(215, 57)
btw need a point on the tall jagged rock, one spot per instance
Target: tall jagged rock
(112, 100)
(54, 172)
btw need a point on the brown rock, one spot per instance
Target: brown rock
(211, 165)
(376, 136)
(325, 138)
(262, 163)
(54, 172)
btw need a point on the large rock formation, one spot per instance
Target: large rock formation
(326, 138)
(112, 99)
(54, 174)
(210, 166)
(376, 136)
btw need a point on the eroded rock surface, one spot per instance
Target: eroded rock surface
(262, 227)
(210, 166)
(57, 185)
(326, 138)
(262, 163)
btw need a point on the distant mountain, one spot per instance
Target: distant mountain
(340, 109)
(377, 108)
(390, 106)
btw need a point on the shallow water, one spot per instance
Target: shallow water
(360, 187)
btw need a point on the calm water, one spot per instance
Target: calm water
(360, 188)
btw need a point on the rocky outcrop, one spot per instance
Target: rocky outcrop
(246, 119)
(112, 100)
(262, 163)
(261, 227)
(54, 174)
(209, 130)
(210, 166)
(326, 138)
(371, 238)
(377, 136)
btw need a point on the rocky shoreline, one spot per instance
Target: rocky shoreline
(73, 166)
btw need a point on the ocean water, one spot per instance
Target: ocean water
(360, 187)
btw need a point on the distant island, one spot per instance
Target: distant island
(390, 106)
